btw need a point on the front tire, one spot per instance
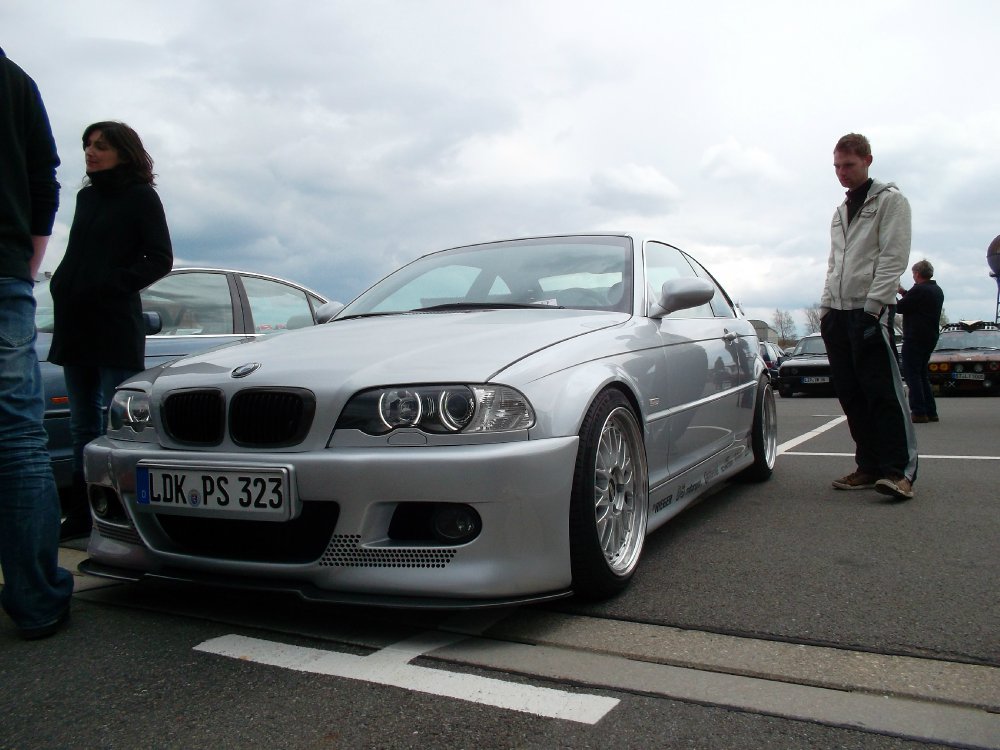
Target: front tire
(609, 506)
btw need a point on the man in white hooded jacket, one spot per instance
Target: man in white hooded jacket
(870, 250)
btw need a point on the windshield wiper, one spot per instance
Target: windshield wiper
(486, 306)
(368, 315)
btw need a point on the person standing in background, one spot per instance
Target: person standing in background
(921, 310)
(869, 250)
(118, 245)
(36, 591)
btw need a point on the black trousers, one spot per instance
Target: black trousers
(915, 360)
(866, 379)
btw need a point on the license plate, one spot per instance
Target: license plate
(260, 494)
(815, 379)
(968, 376)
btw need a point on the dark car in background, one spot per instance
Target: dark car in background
(773, 355)
(806, 369)
(966, 359)
(198, 308)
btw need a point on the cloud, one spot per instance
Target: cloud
(636, 189)
(749, 165)
(330, 142)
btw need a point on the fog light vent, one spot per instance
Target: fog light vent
(106, 504)
(456, 524)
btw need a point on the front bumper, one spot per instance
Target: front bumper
(948, 383)
(520, 489)
(805, 382)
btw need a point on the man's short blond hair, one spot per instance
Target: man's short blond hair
(854, 143)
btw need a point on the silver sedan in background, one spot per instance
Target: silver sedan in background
(494, 423)
(195, 309)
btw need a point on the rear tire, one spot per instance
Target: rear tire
(609, 505)
(763, 435)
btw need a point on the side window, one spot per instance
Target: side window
(663, 263)
(276, 306)
(195, 303)
(721, 305)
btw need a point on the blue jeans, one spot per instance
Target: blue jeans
(36, 590)
(90, 390)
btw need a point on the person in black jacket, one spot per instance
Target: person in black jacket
(118, 245)
(921, 311)
(36, 591)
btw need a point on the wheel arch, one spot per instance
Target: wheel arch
(571, 394)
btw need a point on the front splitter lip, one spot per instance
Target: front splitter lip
(312, 593)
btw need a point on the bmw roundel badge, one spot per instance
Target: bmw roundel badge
(243, 370)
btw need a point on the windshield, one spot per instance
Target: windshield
(811, 345)
(968, 340)
(589, 273)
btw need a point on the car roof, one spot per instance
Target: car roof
(256, 274)
(970, 326)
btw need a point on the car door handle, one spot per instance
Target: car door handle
(730, 337)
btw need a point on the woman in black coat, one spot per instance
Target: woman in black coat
(118, 245)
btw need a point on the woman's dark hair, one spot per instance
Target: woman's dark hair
(134, 158)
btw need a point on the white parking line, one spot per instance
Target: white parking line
(390, 666)
(789, 444)
(786, 447)
(922, 456)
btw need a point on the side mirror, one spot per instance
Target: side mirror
(681, 294)
(152, 322)
(326, 311)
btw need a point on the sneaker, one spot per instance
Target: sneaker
(858, 480)
(920, 418)
(900, 488)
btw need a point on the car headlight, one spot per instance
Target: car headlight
(438, 409)
(129, 416)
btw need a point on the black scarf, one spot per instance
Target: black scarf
(856, 199)
(111, 180)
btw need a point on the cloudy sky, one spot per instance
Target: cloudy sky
(330, 141)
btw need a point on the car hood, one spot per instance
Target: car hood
(805, 360)
(43, 343)
(964, 355)
(409, 348)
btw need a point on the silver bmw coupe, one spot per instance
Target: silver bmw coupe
(495, 423)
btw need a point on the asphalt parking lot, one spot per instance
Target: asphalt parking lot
(782, 614)
(795, 560)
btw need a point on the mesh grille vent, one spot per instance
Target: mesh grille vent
(345, 552)
(119, 533)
